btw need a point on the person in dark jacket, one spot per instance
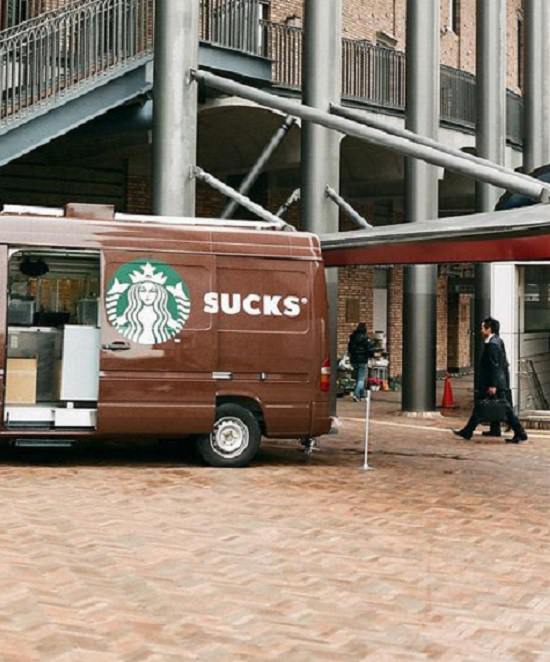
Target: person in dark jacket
(494, 430)
(358, 350)
(492, 381)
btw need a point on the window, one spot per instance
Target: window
(454, 16)
(537, 298)
(353, 311)
(520, 57)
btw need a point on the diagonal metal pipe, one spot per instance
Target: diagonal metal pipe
(260, 164)
(292, 198)
(353, 214)
(510, 181)
(375, 123)
(241, 200)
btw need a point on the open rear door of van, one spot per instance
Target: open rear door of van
(158, 346)
(3, 326)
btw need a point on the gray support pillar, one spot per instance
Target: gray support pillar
(421, 189)
(322, 85)
(537, 90)
(175, 107)
(490, 131)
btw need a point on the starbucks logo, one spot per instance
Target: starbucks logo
(147, 302)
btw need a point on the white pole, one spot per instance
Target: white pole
(367, 419)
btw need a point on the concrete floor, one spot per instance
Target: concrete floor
(140, 553)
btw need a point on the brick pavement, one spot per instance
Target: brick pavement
(441, 552)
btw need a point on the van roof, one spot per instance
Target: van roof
(98, 227)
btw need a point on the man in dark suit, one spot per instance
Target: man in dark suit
(492, 381)
(494, 430)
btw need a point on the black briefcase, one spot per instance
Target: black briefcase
(492, 410)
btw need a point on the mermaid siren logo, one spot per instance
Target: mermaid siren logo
(147, 302)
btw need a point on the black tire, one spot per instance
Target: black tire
(235, 439)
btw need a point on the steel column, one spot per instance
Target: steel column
(537, 90)
(260, 164)
(320, 147)
(421, 190)
(490, 131)
(175, 107)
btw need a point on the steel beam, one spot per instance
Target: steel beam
(348, 209)
(490, 131)
(358, 116)
(509, 180)
(260, 164)
(421, 193)
(537, 89)
(320, 147)
(175, 107)
(241, 200)
(292, 198)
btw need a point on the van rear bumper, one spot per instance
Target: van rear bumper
(321, 420)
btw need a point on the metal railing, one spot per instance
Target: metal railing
(377, 76)
(234, 24)
(15, 12)
(373, 73)
(54, 57)
(63, 45)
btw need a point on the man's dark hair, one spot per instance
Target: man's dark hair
(493, 324)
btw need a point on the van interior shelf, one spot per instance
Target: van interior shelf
(53, 340)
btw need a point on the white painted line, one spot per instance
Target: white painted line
(531, 433)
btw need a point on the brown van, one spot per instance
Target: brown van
(143, 326)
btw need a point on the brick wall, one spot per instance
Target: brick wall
(355, 285)
(395, 320)
(441, 316)
(139, 198)
(458, 322)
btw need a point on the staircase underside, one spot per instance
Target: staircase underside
(66, 112)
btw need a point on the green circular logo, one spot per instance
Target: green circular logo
(147, 302)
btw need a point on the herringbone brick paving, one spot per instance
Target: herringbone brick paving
(142, 554)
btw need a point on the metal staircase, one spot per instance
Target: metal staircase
(67, 66)
(62, 67)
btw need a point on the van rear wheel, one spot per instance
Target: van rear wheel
(235, 439)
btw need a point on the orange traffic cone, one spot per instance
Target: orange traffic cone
(448, 401)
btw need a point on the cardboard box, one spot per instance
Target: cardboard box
(21, 381)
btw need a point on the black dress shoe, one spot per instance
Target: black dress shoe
(517, 439)
(488, 433)
(461, 433)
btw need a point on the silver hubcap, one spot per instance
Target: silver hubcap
(230, 437)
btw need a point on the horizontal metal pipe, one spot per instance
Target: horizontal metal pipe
(260, 164)
(375, 123)
(487, 173)
(348, 209)
(242, 200)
